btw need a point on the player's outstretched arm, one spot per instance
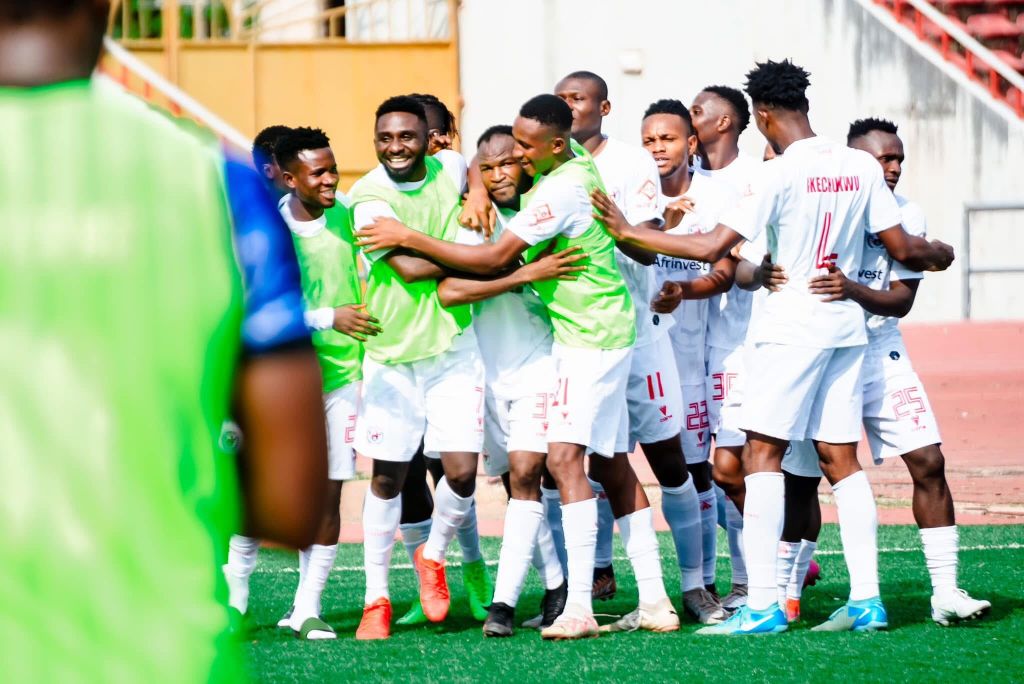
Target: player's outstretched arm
(916, 253)
(709, 247)
(412, 268)
(387, 233)
(562, 265)
(279, 408)
(751, 276)
(895, 301)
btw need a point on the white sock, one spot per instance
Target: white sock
(545, 557)
(449, 511)
(641, 544)
(803, 562)
(553, 514)
(242, 554)
(708, 533)
(763, 515)
(522, 521)
(307, 599)
(469, 536)
(682, 512)
(579, 521)
(734, 528)
(858, 528)
(784, 567)
(380, 522)
(605, 527)
(414, 535)
(941, 545)
(303, 570)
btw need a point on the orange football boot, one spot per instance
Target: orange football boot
(434, 596)
(376, 622)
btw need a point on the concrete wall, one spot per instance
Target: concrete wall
(959, 149)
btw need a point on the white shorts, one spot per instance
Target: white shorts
(439, 400)
(897, 415)
(696, 436)
(798, 393)
(341, 407)
(517, 420)
(589, 403)
(725, 374)
(801, 459)
(653, 397)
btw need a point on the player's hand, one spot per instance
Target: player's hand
(563, 265)
(943, 255)
(606, 211)
(773, 276)
(668, 299)
(478, 212)
(353, 321)
(675, 211)
(384, 233)
(834, 286)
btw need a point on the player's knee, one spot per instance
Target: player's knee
(729, 478)
(701, 473)
(927, 466)
(385, 486)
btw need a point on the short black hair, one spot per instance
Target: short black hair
(736, 101)
(602, 86)
(549, 110)
(432, 102)
(290, 145)
(405, 104)
(862, 127)
(670, 107)
(779, 84)
(264, 142)
(493, 132)
(17, 11)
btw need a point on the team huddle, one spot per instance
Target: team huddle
(563, 297)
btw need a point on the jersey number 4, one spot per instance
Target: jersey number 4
(824, 259)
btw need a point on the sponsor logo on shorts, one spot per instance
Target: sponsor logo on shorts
(374, 436)
(665, 415)
(894, 355)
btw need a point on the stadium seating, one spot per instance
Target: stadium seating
(997, 25)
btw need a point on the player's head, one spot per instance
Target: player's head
(586, 93)
(400, 138)
(778, 92)
(502, 174)
(542, 132)
(50, 40)
(667, 133)
(263, 155)
(308, 167)
(441, 130)
(719, 111)
(878, 138)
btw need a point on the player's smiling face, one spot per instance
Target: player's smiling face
(536, 145)
(503, 175)
(887, 148)
(400, 140)
(669, 140)
(314, 177)
(587, 107)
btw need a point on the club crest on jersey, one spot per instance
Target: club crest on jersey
(648, 190)
(873, 241)
(541, 214)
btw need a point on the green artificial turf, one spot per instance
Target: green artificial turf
(914, 649)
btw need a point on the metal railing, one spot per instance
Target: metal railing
(966, 267)
(143, 22)
(1003, 83)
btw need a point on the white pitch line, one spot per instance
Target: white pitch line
(827, 552)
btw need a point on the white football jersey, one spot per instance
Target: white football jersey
(877, 268)
(816, 202)
(631, 179)
(513, 329)
(729, 312)
(710, 200)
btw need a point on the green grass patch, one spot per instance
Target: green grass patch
(914, 649)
